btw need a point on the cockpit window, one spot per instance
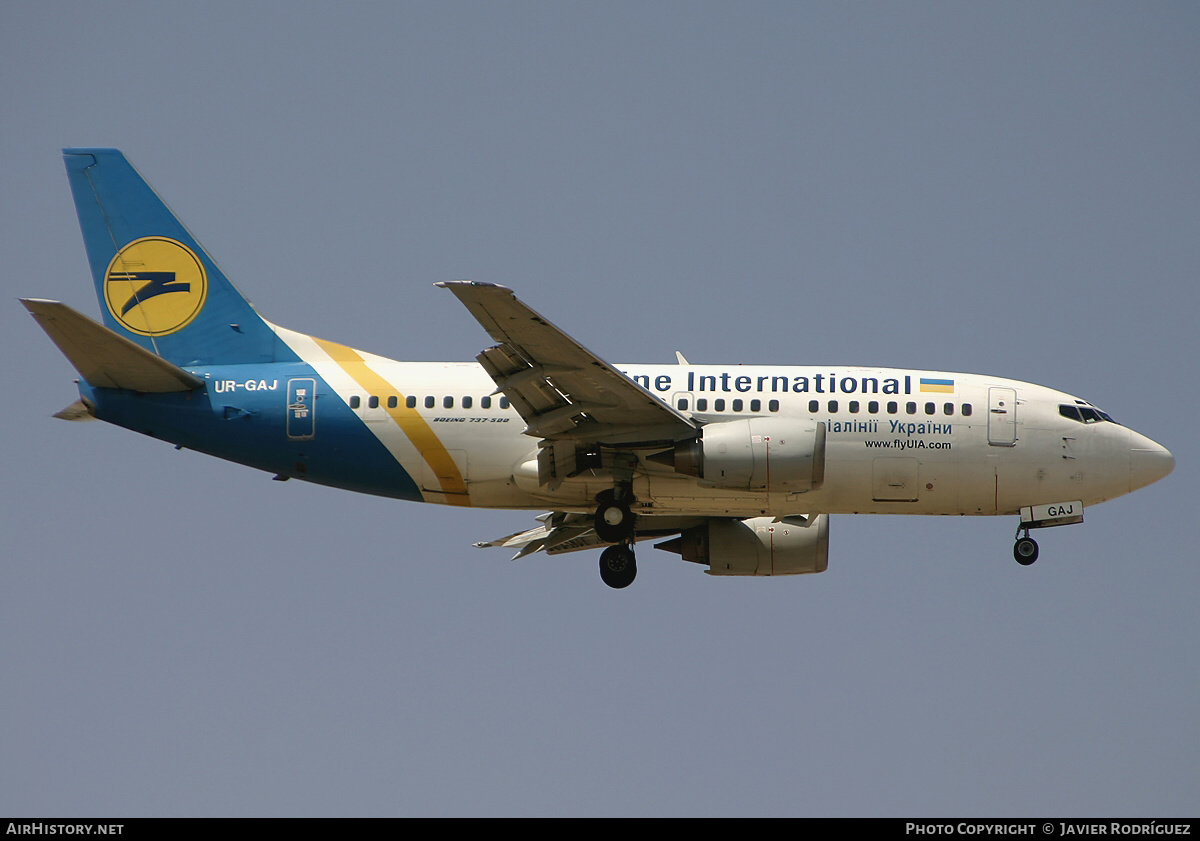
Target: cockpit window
(1083, 414)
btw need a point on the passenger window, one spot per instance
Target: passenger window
(392, 401)
(873, 407)
(893, 407)
(485, 402)
(447, 402)
(737, 405)
(701, 404)
(948, 408)
(773, 406)
(910, 407)
(681, 404)
(466, 402)
(853, 407)
(814, 406)
(719, 404)
(930, 409)
(428, 402)
(410, 402)
(503, 402)
(832, 407)
(355, 402)
(372, 402)
(755, 405)
(966, 410)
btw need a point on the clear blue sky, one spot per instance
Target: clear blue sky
(1011, 188)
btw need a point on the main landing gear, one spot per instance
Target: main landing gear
(614, 523)
(614, 515)
(618, 566)
(1025, 550)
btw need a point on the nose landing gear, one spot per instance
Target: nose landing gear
(1069, 513)
(1025, 550)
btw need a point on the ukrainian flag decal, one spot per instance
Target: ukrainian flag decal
(941, 386)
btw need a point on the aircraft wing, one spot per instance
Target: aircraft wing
(562, 390)
(558, 532)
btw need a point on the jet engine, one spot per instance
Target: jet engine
(758, 546)
(775, 454)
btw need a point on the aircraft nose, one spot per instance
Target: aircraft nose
(1148, 461)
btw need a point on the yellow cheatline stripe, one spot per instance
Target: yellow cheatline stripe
(409, 421)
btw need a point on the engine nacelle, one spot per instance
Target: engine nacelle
(772, 454)
(758, 546)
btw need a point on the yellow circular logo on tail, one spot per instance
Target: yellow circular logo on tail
(155, 286)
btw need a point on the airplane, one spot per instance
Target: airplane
(734, 467)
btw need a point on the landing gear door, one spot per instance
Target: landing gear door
(1002, 417)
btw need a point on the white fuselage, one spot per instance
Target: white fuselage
(976, 445)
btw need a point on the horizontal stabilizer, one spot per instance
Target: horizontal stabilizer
(77, 411)
(103, 358)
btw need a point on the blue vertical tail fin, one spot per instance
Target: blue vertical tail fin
(157, 286)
